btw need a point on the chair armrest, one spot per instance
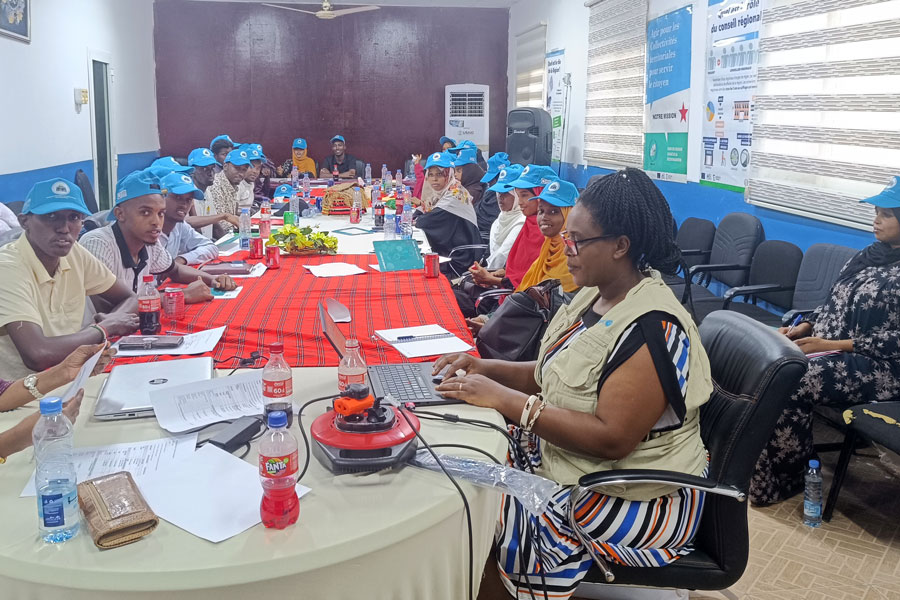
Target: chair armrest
(468, 247)
(498, 293)
(790, 315)
(753, 290)
(599, 479)
(696, 252)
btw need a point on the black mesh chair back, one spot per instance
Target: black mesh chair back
(822, 263)
(696, 235)
(776, 262)
(735, 241)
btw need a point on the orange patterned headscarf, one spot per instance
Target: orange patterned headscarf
(551, 262)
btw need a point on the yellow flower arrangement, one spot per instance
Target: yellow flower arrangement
(303, 240)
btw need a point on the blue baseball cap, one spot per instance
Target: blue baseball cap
(137, 184)
(889, 196)
(181, 183)
(446, 139)
(465, 157)
(338, 138)
(508, 174)
(559, 193)
(534, 176)
(440, 159)
(169, 163)
(283, 191)
(201, 157)
(301, 143)
(462, 146)
(238, 157)
(258, 148)
(495, 164)
(221, 138)
(253, 153)
(54, 195)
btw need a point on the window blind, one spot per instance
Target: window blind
(614, 120)
(531, 48)
(827, 115)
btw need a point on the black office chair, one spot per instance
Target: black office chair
(773, 275)
(95, 221)
(736, 239)
(477, 252)
(754, 368)
(360, 168)
(87, 190)
(695, 239)
(820, 268)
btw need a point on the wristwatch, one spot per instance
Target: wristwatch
(31, 385)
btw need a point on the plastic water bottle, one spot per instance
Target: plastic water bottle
(307, 187)
(295, 177)
(278, 384)
(244, 229)
(386, 182)
(278, 466)
(265, 219)
(406, 222)
(398, 179)
(812, 495)
(55, 480)
(352, 368)
(384, 175)
(149, 306)
(368, 174)
(356, 209)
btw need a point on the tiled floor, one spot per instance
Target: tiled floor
(855, 556)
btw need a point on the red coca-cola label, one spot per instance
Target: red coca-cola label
(345, 380)
(273, 467)
(278, 389)
(148, 304)
(265, 209)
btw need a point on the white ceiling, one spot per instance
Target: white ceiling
(429, 3)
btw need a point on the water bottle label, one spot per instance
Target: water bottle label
(148, 304)
(812, 509)
(52, 508)
(278, 389)
(274, 467)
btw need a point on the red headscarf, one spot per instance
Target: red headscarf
(525, 250)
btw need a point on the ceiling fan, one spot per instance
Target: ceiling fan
(327, 11)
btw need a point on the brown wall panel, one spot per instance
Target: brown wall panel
(266, 75)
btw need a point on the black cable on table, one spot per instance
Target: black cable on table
(303, 431)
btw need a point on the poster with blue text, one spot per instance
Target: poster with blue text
(668, 90)
(732, 48)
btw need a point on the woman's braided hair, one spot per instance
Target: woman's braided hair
(628, 203)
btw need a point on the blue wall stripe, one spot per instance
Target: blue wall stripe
(15, 186)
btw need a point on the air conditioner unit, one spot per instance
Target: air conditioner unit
(466, 113)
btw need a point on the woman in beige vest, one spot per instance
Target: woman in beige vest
(618, 384)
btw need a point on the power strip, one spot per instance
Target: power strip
(237, 434)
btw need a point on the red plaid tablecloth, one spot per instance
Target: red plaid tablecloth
(283, 304)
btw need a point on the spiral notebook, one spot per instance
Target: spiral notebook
(425, 340)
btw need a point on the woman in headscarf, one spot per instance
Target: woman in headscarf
(449, 218)
(556, 200)
(469, 175)
(527, 246)
(299, 159)
(858, 330)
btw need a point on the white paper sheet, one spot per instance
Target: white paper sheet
(83, 374)
(138, 458)
(194, 343)
(230, 295)
(194, 405)
(427, 340)
(337, 269)
(256, 270)
(211, 494)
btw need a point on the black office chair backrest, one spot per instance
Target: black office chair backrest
(754, 369)
(87, 190)
(776, 262)
(696, 234)
(822, 263)
(735, 241)
(15, 206)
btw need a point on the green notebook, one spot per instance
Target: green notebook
(398, 255)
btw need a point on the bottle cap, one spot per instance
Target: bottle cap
(276, 348)
(813, 464)
(357, 391)
(51, 405)
(277, 418)
(351, 343)
(245, 211)
(148, 278)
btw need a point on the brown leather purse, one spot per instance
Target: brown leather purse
(115, 510)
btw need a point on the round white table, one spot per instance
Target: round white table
(393, 535)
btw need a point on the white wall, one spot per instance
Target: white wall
(567, 28)
(40, 126)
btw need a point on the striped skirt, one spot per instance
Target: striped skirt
(550, 558)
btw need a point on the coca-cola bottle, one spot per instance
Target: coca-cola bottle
(352, 368)
(278, 384)
(149, 306)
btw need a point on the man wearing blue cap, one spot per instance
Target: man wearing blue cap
(131, 248)
(447, 143)
(346, 163)
(169, 164)
(180, 239)
(223, 193)
(220, 146)
(488, 209)
(46, 277)
(203, 215)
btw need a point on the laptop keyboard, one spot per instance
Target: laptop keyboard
(404, 382)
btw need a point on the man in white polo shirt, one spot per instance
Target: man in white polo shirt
(131, 249)
(46, 277)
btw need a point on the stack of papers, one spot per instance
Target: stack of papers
(194, 405)
(426, 340)
(335, 269)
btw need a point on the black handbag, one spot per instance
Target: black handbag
(515, 329)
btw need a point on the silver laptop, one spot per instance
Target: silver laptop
(126, 392)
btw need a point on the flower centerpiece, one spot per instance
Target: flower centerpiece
(303, 240)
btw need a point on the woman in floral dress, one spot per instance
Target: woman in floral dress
(858, 330)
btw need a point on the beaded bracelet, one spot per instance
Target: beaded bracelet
(534, 417)
(526, 411)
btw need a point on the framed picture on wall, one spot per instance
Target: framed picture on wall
(15, 19)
